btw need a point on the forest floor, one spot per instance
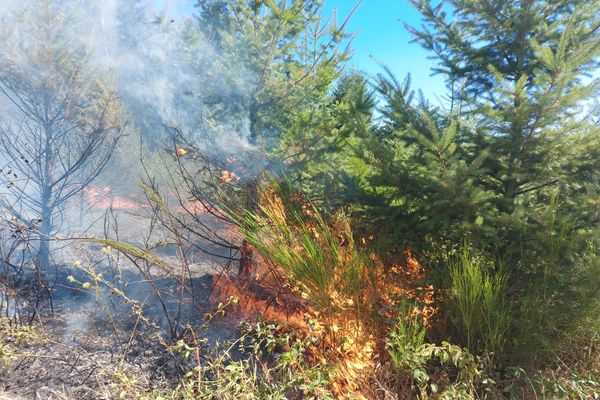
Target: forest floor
(87, 337)
(79, 350)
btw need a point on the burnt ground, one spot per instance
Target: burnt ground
(77, 351)
(86, 331)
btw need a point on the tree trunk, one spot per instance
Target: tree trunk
(245, 267)
(507, 204)
(43, 256)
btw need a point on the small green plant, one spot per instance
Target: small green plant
(12, 335)
(406, 337)
(273, 365)
(443, 371)
(568, 385)
(477, 305)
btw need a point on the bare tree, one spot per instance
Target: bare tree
(60, 122)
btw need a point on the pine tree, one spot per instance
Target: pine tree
(277, 59)
(422, 173)
(525, 70)
(275, 63)
(521, 76)
(330, 170)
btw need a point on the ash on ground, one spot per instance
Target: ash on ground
(100, 316)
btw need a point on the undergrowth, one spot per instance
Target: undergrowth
(477, 304)
(372, 329)
(265, 362)
(12, 336)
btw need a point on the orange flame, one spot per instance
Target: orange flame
(228, 176)
(256, 298)
(180, 152)
(104, 198)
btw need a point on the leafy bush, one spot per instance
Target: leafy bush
(404, 339)
(443, 371)
(477, 305)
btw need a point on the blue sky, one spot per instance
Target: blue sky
(380, 38)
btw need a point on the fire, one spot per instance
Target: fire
(348, 308)
(260, 297)
(181, 152)
(347, 346)
(347, 342)
(193, 206)
(228, 176)
(104, 198)
(402, 281)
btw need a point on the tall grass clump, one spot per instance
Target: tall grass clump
(559, 290)
(477, 306)
(319, 258)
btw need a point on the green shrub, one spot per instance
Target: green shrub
(12, 335)
(558, 289)
(477, 305)
(406, 337)
(443, 371)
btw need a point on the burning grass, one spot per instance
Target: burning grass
(260, 298)
(354, 297)
(325, 300)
